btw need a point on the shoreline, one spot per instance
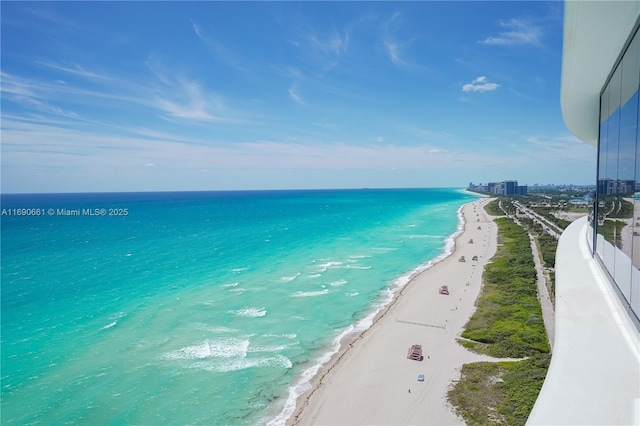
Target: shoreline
(334, 374)
(310, 377)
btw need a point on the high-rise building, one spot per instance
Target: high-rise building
(594, 375)
(509, 187)
(522, 190)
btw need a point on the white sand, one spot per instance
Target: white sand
(371, 381)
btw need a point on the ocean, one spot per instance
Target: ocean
(194, 308)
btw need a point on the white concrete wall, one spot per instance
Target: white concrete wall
(594, 375)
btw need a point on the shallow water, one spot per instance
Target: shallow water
(197, 308)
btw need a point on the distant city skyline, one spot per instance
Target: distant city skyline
(168, 96)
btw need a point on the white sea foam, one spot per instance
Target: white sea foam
(414, 236)
(314, 275)
(327, 265)
(358, 267)
(243, 363)
(250, 312)
(221, 348)
(215, 329)
(286, 336)
(385, 249)
(289, 279)
(358, 256)
(271, 348)
(109, 325)
(230, 285)
(239, 269)
(310, 293)
(338, 283)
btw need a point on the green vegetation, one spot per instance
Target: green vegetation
(547, 245)
(507, 323)
(508, 319)
(547, 213)
(619, 208)
(610, 228)
(493, 208)
(499, 393)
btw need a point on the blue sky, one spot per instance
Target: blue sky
(146, 96)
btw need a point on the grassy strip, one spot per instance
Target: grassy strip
(499, 393)
(548, 246)
(493, 209)
(508, 319)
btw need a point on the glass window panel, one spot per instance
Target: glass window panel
(601, 189)
(630, 67)
(630, 150)
(602, 143)
(635, 277)
(612, 225)
(630, 86)
(627, 151)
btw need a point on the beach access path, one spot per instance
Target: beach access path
(371, 382)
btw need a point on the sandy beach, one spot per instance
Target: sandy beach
(371, 381)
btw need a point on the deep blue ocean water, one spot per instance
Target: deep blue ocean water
(197, 307)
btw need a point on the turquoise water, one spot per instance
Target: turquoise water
(197, 308)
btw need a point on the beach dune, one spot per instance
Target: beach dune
(371, 380)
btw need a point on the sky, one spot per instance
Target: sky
(175, 96)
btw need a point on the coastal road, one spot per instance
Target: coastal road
(548, 315)
(546, 225)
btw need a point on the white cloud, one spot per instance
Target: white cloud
(435, 151)
(393, 51)
(189, 104)
(221, 52)
(480, 84)
(294, 95)
(334, 45)
(77, 70)
(518, 32)
(556, 149)
(180, 97)
(173, 95)
(392, 29)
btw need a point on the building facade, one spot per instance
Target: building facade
(617, 228)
